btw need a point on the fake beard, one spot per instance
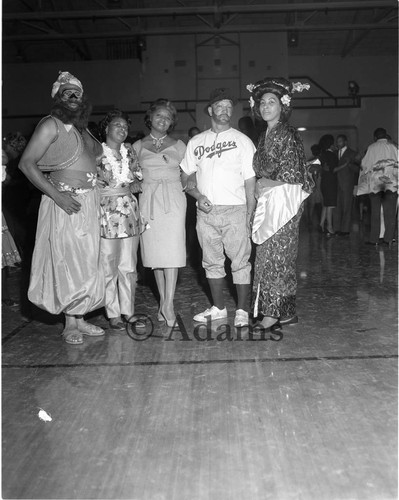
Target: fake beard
(79, 117)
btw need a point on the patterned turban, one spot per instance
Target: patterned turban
(65, 78)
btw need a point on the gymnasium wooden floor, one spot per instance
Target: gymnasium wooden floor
(309, 415)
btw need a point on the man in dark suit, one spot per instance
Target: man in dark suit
(347, 171)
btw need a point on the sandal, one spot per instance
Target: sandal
(90, 330)
(73, 337)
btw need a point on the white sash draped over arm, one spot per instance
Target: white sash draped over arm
(278, 203)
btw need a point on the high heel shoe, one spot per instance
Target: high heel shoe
(160, 316)
(170, 321)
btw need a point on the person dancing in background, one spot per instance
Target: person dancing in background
(379, 179)
(282, 186)
(119, 175)
(67, 275)
(9, 252)
(162, 203)
(347, 171)
(315, 198)
(329, 182)
(16, 191)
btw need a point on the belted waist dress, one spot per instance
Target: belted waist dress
(163, 207)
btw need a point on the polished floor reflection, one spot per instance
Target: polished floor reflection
(210, 413)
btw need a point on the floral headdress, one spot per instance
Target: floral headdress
(282, 87)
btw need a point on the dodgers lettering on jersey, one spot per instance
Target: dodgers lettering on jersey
(222, 162)
(216, 149)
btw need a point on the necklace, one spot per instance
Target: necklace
(120, 167)
(158, 142)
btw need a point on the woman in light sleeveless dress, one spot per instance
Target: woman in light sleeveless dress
(162, 203)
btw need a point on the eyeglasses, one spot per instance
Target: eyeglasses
(77, 94)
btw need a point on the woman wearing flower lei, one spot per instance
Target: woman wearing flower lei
(283, 184)
(119, 176)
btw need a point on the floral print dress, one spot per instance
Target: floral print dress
(120, 215)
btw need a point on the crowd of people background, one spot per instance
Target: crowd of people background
(97, 200)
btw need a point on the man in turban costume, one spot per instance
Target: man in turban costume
(60, 160)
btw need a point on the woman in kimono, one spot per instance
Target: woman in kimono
(282, 186)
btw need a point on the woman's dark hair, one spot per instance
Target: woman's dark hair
(316, 149)
(285, 110)
(192, 131)
(161, 103)
(380, 133)
(326, 141)
(277, 86)
(111, 115)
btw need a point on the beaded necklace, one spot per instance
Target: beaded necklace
(120, 167)
(158, 142)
